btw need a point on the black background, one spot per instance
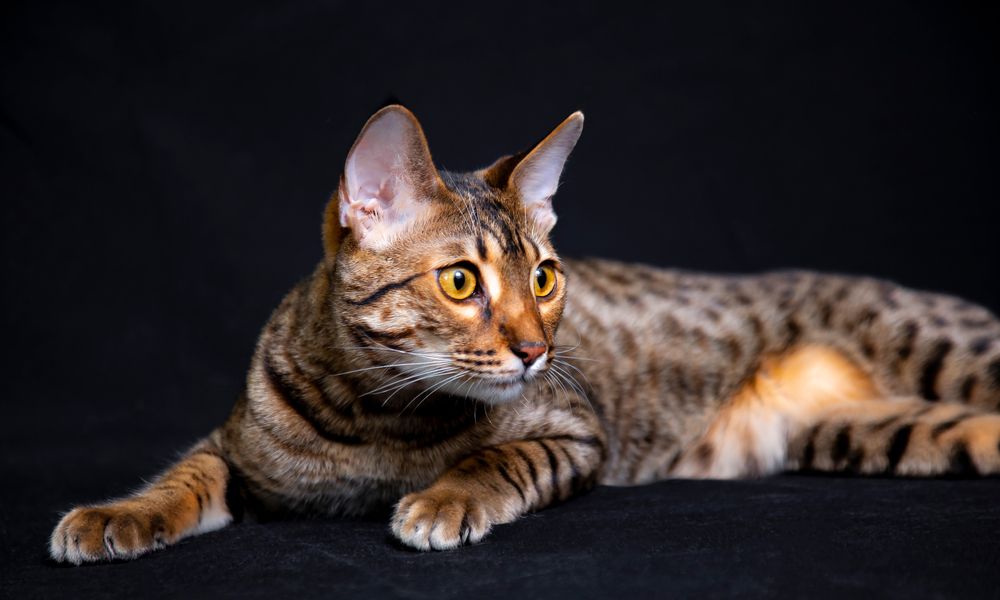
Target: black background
(163, 168)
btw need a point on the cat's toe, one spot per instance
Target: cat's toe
(103, 533)
(433, 520)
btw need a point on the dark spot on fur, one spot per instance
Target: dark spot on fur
(897, 447)
(994, 371)
(733, 349)
(670, 325)
(825, 314)
(792, 331)
(841, 445)
(889, 299)
(945, 426)
(980, 345)
(809, 451)
(698, 338)
(906, 340)
(785, 299)
(975, 323)
(960, 463)
(968, 387)
(855, 460)
(939, 321)
(703, 454)
(932, 368)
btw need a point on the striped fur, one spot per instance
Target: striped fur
(370, 389)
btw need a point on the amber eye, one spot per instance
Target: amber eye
(457, 282)
(545, 280)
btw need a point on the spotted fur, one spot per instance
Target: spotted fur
(372, 389)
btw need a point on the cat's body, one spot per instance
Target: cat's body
(387, 378)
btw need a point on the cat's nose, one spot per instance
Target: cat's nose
(528, 352)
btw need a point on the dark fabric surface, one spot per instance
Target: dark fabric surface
(162, 173)
(786, 536)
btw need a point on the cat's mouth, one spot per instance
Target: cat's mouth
(498, 389)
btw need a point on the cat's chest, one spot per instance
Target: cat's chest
(352, 480)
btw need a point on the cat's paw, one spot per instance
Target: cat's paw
(91, 534)
(440, 519)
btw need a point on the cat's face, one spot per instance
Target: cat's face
(449, 277)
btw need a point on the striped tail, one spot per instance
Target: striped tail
(900, 438)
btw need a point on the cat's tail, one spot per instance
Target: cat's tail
(187, 499)
(900, 438)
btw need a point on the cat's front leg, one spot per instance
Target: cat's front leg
(189, 498)
(496, 485)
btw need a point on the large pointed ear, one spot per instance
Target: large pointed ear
(536, 176)
(388, 179)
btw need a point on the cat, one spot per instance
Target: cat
(444, 363)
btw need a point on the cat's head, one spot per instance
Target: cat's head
(450, 277)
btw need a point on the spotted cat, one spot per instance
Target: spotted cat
(444, 362)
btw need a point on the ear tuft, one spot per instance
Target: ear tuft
(387, 179)
(536, 176)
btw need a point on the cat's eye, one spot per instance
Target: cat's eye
(545, 280)
(457, 282)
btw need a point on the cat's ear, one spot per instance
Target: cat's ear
(536, 176)
(388, 179)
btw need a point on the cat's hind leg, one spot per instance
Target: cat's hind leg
(749, 435)
(188, 499)
(814, 409)
(912, 438)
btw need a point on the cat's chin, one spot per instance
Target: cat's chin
(494, 392)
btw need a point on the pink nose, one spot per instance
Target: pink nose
(528, 352)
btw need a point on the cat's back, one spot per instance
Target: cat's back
(638, 306)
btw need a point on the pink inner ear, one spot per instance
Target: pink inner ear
(379, 199)
(540, 177)
(376, 163)
(374, 174)
(543, 215)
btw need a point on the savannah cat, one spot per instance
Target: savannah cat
(443, 361)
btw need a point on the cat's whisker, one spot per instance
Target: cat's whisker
(376, 346)
(569, 384)
(409, 384)
(565, 364)
(514, 408)
(552, 381)
(376, 367)
(445, 383)
(573, 383)
(406, 378)
(579, 340)
(395, 387)
(566, 348)
(469, 386)
(430, 391)
(571, 357)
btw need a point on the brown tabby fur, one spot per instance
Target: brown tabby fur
(650, 374)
